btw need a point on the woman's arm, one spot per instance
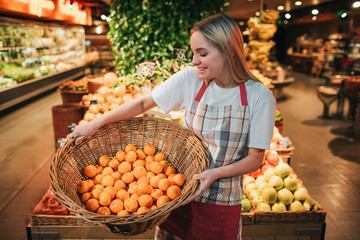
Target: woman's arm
(124, 111)
(248, 164)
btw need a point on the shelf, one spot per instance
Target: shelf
(29, 89)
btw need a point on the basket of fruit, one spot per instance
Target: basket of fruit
(73, 91)
(129, 175)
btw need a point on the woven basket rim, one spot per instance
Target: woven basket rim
(192, 186)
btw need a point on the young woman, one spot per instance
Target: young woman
(229, 109)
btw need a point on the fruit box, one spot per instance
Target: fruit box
(314, 216)
(39, 217)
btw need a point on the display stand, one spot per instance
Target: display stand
(279, 85)
(11, 97)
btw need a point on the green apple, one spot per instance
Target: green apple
(269, 195)
(283, 170)
(262, 186)
(291, 182)
(254, 193)
(278, 207)
(276, 182)
(250, 187)
(285, 196)
(260, 179)
(269, 173)
(300, 194)
(245, 205)
(263, 207)
(257, 200)
(296, 206)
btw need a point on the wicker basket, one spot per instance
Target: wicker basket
(72, 97)
(185, 152)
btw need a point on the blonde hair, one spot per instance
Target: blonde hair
(223, 33)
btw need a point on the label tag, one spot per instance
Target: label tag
(180, 54)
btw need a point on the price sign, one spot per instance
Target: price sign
(180, 54)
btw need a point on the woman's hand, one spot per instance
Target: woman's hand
(82, 131)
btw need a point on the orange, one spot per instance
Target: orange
(178, 179)
(111, 190)
(149, 158)
(142, 209)
(123, 213)
(90, 171)
(139, 172)
(171, 176)
(143, 188)
(124, 167)
(159, 156)
(165, 163)
(169, 170)
(130, 147)
(154, 181)
(133, 184)
(156, 167)
(107, 181)
(104, 198)
(116, 206)
(99, 169)
(103, 161)
(98, 178)
(120, 155)
(135, 196)
(139, 163)
(131, 205)
(103, 211)
(85, 197)
(144, 180)
(156, 193)
(99, 187)
(107, 171)
(153, 207)
(162, 200)
(113, 163)
(122, 194)
(140, 154)
(161, 175)
(91, 184)
(130, 157)
(119, 184)
(147, 166)
(145, 200)
(116, 175)
(83, 187)
(164, 184)
(149, 149)
(150, 175)
(173, 192)
(127, 177)
(95, 193)
(92, 204)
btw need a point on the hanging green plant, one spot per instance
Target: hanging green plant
(149, 30)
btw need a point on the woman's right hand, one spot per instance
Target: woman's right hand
(83, 131)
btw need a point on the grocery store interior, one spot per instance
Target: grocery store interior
(63, 62)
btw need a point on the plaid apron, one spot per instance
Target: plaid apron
(216, 213)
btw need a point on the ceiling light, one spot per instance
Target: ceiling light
(103, 17)
(98, 29)
(343, 15)
(356, 4)
(257, 14)
(288, 16)
(280, 8)
(315, 12)
(314, 18)
(298, 3)
(241, 23)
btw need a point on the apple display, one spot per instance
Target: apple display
(278, 207)
(291, 182)
(254, 193)
(250, 187)
(264, 207)
(300, 194)
(248, 179)
(276, 182)
(269, 195)
(245, 205)
(283, 170)
(269, 173)
(262, 186)
(296, 206)
(257, 200)
(285, 196)
(260, 179)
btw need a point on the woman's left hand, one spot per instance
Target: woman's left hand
(206, 178)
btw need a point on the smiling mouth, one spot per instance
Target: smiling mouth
(201, 69)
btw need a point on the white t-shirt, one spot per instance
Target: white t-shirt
(180, 90)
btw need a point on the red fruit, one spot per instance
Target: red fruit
(256, 173)
(61, 210)
(53, 203)
(46, 210)
(266, 166)
(273, 158)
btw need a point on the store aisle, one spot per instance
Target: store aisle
(325, 158)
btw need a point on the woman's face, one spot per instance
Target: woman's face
(209, 61)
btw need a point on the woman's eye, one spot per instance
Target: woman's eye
(203, 54)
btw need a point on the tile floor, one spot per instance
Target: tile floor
(326, 158)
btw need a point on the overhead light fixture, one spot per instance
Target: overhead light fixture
(343, 15)
(356, 4)
(241, 23)
(280, 8)
(98, 29)
(257, 14)
(298, 3)
(315, 11)
(287, 15)
(314, 18)
(103, 17)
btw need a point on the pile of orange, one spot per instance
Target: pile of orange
(134, 181)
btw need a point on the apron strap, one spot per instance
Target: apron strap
(243, 94)
(201, 92)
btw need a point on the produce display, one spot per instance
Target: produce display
(132, 182)
(74, 86)
(51, 206)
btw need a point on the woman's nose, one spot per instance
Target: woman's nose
(195, 60)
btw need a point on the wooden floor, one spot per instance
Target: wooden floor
(326, 158)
